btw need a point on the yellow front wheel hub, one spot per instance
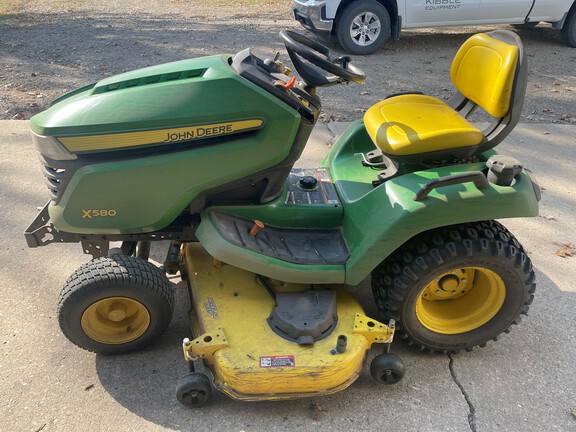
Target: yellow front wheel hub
(115, 320)
(460, 300)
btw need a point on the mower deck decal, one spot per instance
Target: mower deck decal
(277, 361)
(158, 136)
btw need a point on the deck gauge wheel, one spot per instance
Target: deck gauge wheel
(387, 368)
(193, 390)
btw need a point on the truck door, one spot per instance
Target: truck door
(506, 11)
(423, 13)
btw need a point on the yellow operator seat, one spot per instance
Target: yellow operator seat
(420, 128)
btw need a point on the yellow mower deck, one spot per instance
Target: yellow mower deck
(251, 362)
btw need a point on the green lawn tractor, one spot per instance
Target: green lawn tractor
(200, 154)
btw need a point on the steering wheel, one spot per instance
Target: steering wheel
(339, 67)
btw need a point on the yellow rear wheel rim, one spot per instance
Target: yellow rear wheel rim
(115, 320)
(461, 300)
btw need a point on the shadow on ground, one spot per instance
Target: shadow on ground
(144, 383)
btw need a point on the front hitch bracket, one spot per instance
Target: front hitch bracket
(205, 345)
(374, 331)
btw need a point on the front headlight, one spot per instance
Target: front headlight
(51, 148)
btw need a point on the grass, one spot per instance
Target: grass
(22, 6)
(9, 12)
(236, 3)
(9, 7)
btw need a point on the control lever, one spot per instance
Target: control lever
(286, 86)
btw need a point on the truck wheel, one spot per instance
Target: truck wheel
(363, 27)
(115, 305)
(455, 287)
(568, 31)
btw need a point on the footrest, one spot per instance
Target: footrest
(296, 245)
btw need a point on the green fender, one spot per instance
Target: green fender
(380, 222)
(377, 220)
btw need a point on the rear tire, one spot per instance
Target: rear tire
(115, 305)
(568, 31)
(363, 27)
(455, 287)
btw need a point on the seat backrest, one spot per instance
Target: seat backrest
(483, 71)
(490, 71)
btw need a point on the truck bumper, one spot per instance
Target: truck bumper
(312, 15)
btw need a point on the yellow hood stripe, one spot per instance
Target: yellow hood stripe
(158, 136)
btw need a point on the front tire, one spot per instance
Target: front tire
(455, 287)
(115, 305)
(363, 27)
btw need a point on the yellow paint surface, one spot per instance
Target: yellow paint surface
(230, 301)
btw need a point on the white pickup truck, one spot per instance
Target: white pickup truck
(363, 26)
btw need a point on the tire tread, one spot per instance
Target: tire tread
(116, 269)
(470, 239)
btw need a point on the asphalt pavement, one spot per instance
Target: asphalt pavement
(524, 382)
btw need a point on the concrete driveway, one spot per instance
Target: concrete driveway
(524, 382)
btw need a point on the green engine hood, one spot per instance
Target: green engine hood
(168, 95)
